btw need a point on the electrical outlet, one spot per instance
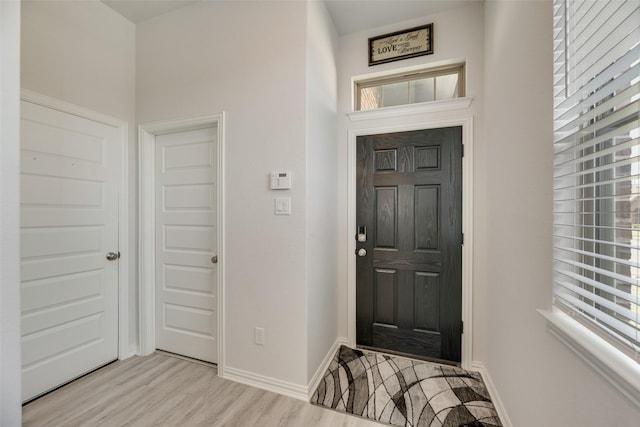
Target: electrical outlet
(258, 336)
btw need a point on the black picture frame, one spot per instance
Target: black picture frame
(399, 45)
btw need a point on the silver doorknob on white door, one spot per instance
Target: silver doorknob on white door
(214, 259)
(361, 252)
(112, 256)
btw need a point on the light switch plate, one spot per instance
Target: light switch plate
(283, 205)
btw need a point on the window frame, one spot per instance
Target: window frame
(408, 76)
(612, 364)
(612, 357)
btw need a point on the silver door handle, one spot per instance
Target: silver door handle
(214, 259)
(112, 256)
(361, 252)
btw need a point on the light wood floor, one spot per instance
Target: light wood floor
(161, 390)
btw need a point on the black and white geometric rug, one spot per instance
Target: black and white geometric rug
(404, 392)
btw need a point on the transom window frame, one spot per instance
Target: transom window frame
(409, 75)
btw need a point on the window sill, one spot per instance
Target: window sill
(622, 372)
(404, 110)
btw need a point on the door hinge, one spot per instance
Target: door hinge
(461, 327)
(462, 240)
(462, 150)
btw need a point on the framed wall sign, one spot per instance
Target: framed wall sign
(403, 44)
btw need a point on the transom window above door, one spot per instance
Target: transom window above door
(434, 84)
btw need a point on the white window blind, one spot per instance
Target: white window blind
(597, 167)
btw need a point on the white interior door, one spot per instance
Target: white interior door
(69, 222)
(186, 243)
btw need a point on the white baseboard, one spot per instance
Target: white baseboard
(283, 387)
(495, 397)
(134, 350)
(317, 377)
(266, 383)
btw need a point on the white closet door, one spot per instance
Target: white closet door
(69, 223)
(186, 244)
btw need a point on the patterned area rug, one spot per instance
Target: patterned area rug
(404, 392)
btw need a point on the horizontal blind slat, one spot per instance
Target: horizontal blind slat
(614, 69)
(595, 227)
(625, 94)
(600, 183)
(587, 31)
(603, 272)
(597, 211)
(586, 17)
(630, 113)
(600, 242)
(574, 163)
(614, 198)
(597, 299)
(590, 282)
(625, 332)
(609, 167)
(603, 44)
(599, 256)
(599, 60)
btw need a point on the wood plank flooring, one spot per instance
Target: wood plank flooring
(161, 390)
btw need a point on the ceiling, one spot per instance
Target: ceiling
(349, 16)
(139, 10)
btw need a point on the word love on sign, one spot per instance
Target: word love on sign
(404, 44)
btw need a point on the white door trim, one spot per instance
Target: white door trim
(464, 118)
(146, 140)
(123, 190)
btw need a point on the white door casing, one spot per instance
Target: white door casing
(430, 115)
(186, 243)
(72, 171)
(147, 134)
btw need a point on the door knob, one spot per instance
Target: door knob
(214, 259)
(361, 252)
(112, 256)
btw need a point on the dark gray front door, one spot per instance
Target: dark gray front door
(409, 223)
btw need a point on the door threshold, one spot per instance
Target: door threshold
(388, 352)
(26, 402)
(188, 359)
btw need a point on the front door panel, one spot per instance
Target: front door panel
(409, 209)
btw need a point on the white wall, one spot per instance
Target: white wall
(10, 388)
(322, 185)
(539, 380)
(83, 52)
(458, 36)
(249, 60)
